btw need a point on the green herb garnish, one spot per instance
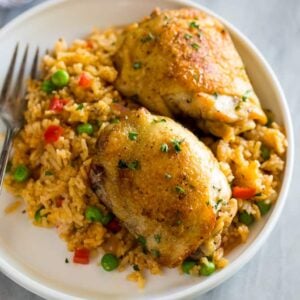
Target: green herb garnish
(141, 240)
(122, 164)
(218, 202)
(48, 173)
(136, 268)
(193, 24)
(157, 238)
(177, 145)
(133, 136)
(80, 106)
(179, 189)
(195, 46)
(164, 148)
(246, 95)
(168, 176)
(115, 121)
(137, 65)
(155, 253)
(148, 38)
(155, 121)
(187, 36)
(265, 152)
(134, 165)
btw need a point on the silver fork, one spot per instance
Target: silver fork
(13, 104)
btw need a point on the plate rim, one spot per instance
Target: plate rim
(244, 257)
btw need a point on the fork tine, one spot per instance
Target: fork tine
(9, 75)
(35, 64)
(20, 79)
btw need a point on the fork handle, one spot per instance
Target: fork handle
(5, 153)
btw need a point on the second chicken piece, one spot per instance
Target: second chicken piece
(161, 182)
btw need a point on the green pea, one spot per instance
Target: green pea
(263, 207)
(47, 86)
(265, 152)
(37, 215)
(21, 173)
(207, 269)
(109, 262)
(85, 128)
(93, 214)
(187, 265)
(246, 218)
(60, 78)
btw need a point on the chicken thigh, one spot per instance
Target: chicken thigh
(183, 62)
(162, 183)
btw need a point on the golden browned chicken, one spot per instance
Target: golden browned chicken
(183, 62)
(161, 182)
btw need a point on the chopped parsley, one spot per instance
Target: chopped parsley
(179, 189)
(141, 240)
(148, 38)
(216, 188)
(122, 164)
(168, 176)
(238, 106)
(136, 268)
(132, 136)
(196, 77)
(157, 238)
(258, 195)
(215, 95)
(134, 165)
(246, 95)
(155, 253)
(177, 145)
(265, 152)
(115, 121)
(178, 222)
(164, 148)
(195, 46)
(193, 24)
(187, 36)
(48, 173)
(155, 121)
(137, 65)
(219, 201)
(80, 106)
(66, 261)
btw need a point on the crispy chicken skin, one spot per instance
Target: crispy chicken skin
(161, 182)
(183, 62)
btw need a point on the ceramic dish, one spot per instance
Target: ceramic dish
(34, 257)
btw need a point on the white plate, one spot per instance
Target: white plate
(34, 257)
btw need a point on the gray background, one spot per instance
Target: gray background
(274, 27)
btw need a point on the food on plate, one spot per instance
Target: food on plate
(125, 187)
(161, 182)
(183, 62)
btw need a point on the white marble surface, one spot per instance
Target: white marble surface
(273, 274)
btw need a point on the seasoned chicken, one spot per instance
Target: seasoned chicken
(183, 62)
(161, 182)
